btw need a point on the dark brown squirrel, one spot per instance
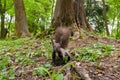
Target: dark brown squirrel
(62, 35)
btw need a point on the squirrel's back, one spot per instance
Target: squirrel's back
(62, 35)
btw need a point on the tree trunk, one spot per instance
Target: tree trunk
(70, 13)
(21, 26)
(0, 14)
(3, 34)
(63, 13)
(9, 25)
(105, 18)
(3, 9)
(57, 8)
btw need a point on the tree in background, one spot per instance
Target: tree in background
(21, 25)
(39, 15)
(70, 13)
(96, 12)
(5, 8)
(105, 17)
(2, 12)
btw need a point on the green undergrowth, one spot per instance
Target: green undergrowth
(26, 52)
(93, 53)
(44, 70)
(22, 52)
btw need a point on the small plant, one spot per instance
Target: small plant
(56, 76)
(43, 70)
(6, 71)
(26, 61)
(46, 49)
(94, 53)
(105, 49)
(87, 54)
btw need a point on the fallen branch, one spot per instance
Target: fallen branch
(82, 72)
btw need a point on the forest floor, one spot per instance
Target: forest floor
(108, 67)
(30, 59)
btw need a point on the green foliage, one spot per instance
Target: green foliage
(93, 54)
(10, 7)
(22, 59)
(59, 77)
(116, 32)
(38, 14)
(43, 70)
(66, 58)
(7, 54)
(25, 52)
(86, 54)
(6, 72)
(56, 76)
(106, 49)
(94, 13)
(114, 18)
(46, 48)
(9, 11)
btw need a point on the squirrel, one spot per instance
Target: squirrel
(62, 35)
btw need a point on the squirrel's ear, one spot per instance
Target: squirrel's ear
(52, 42)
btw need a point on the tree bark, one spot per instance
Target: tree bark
(70, 13)
(105, 18)
(3, 9)
(63, 13)
(2, 26)
(57, 8)
(21, 25)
